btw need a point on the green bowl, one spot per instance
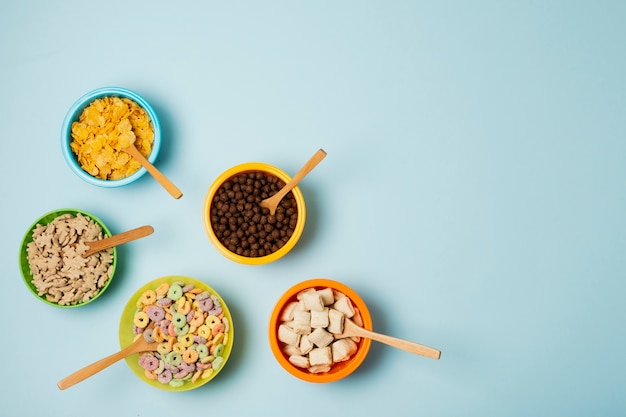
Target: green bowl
(127, 336)
(28, 237)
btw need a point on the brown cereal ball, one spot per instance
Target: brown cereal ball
(242, 225)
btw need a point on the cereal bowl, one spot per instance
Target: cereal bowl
(324, 361)
(111, 161)
(255, 237)
(58, 254)
(192, 325)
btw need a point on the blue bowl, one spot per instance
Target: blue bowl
(74, 114)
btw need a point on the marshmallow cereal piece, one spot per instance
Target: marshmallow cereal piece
(321, 356)
(302, 317)
(317, 369)
(327, 296)
(313, 301)
(344, 305)
(319, 318)
(305, 344)
(301, 294)
(357, 318)
(321, 338)
(343, 349)
(299, 361)
(299, 328)
(335, 321)
(287, 335)
(287, 313)
(290, 350)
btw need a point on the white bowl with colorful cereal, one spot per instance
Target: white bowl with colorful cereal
(305, 327)
(192, 326)
(99, 125)
(51, 261)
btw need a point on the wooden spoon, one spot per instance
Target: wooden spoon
(140, 345)
(350, 329)
(162, 179)
(272, 202)
(115, 240)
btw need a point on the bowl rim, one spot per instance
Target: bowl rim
(28, 237)
(74, 113)
(126, 335)
(248, 167)
(352, 364)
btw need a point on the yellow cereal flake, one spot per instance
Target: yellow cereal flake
(106, 126)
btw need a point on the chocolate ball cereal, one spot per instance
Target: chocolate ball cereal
(242, 225)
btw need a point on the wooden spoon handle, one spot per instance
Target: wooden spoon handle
(306, 168)
(411, 347)
(115, 240)
(162, 179)
(95, 367)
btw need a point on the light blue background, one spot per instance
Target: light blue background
(473, 195)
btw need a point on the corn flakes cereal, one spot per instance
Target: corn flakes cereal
(105, 127)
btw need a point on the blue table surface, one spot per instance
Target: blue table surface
(473, 195)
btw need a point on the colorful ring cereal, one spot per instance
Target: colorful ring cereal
(192, 325)
(148, 298)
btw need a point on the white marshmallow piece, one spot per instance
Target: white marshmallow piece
(319, 318)
(344, 305)
(305, 344)
(287, 335)
(301, 294)
(302, 317)
(343, 349)
(290, 350)
(335, 321)
(327, 296)
(300, 328)
(299, 361)
(321, 356)
(318, 369)
(312, 301)
(321, 338)
(287, 313)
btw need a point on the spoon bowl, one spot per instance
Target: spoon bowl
(139, 345)
(351, 329)
(272, 202)
(115, 240)
(152, 170)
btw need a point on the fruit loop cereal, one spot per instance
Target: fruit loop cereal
(105, 127)
(190, 328)
(55, 260)
(311, 327)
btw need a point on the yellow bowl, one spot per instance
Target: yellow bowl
(338, 370)
(127, 336)
(253, 167)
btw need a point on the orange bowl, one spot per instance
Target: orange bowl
(338, 370)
